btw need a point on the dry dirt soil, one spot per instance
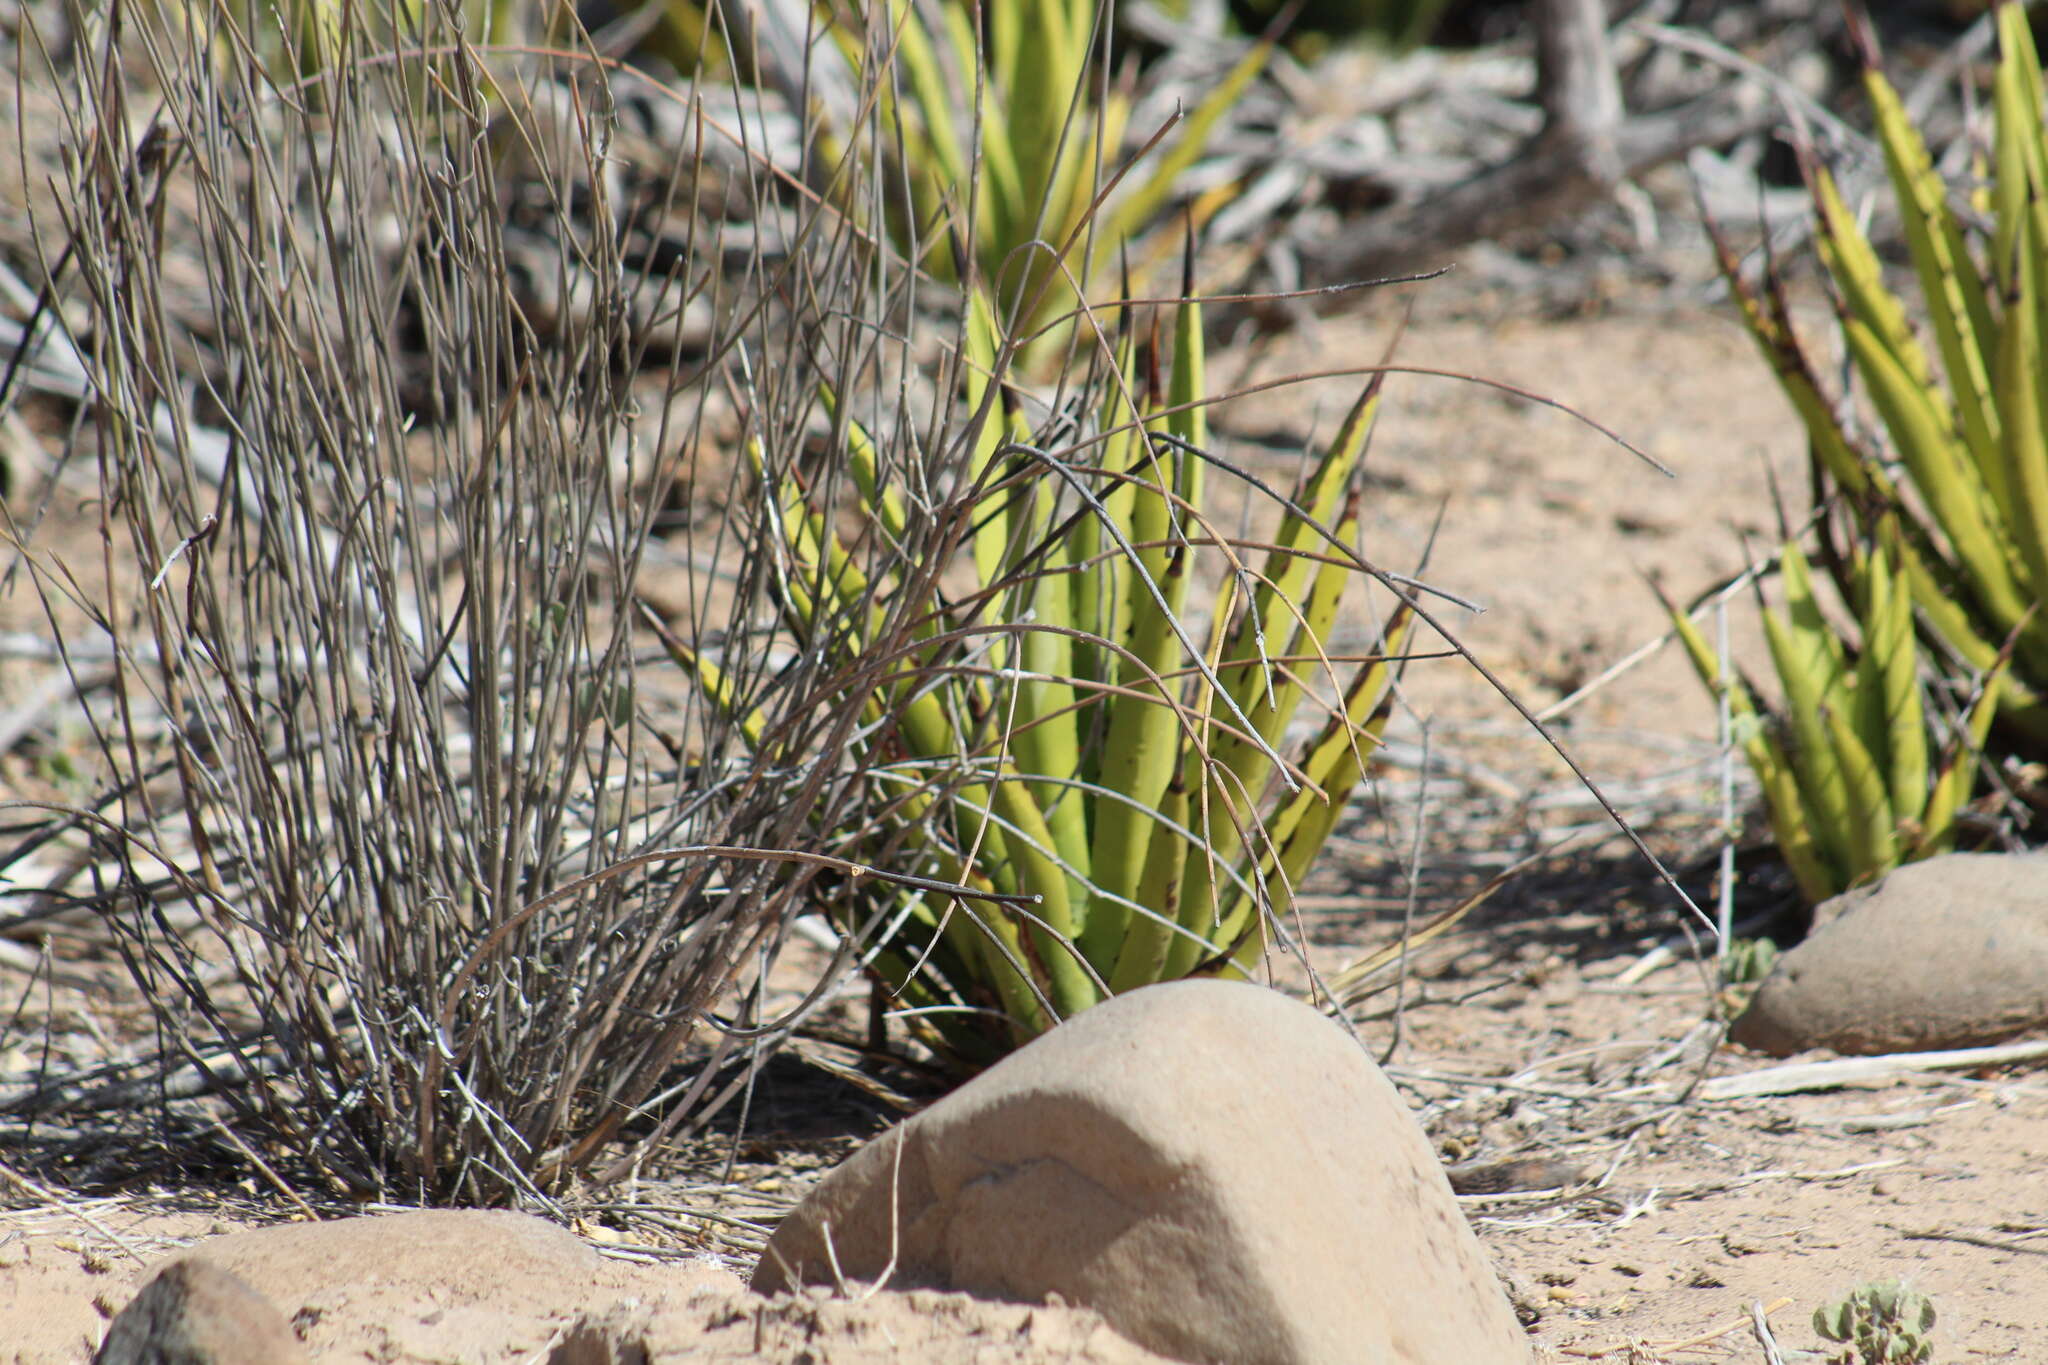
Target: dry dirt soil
(1559, 1026)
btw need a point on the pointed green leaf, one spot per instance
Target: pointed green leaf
(1954, 293)
(1814, 762)
(1943, 472)
(2025, 447)
(1142, 205)
(1141, 757)
(1790, 823)
(1894, 680)
(1141, 958)
(1959, 767)
(1268, 624)
(1872, 829)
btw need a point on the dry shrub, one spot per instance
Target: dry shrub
(391, 374)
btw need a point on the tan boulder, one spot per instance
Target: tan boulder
(433, 1285)
(1218, 1170)
(1943, 953)
(197, 1313)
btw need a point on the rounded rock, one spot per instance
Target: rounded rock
(1217, 1169)
(1944, 953)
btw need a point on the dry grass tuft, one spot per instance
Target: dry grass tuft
(389, 376)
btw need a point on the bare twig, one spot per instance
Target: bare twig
(1800, 1077)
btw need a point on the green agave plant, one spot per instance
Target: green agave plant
(1057, 728)
(1009, 136)
(1956, 495)
(1855, 779)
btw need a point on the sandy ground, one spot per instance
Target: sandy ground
(1683, 1215)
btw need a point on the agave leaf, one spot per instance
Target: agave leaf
(1769, 323)
(2025, 447)
(1856, 270)
(1142, 746)
(1943, 473)
(2019, 57)
(1335, 763)
(1873, 846)
(1062, 222)
(999, 195)
(1934, 599)
(1790, 823)
(1187, 393)
(1959, 767)
(1810, 669)
(1143, 204)
(718, 687)
(1047, 730)
(1006, 964)
(1216, 809)
(1090, 608)
(1150, 535)
(1283, 582)
(918, 59)
(981, 940)
(1049, 943)
(1867, 683)
(1047, 105)
(1899, 733)
(1318, 619)
(831, 589)
(988, 938)
(2016, 151)
(1815, 764)
(1956, 304)
(1141, 758)
(1820, 649)
(986, 415)
(1101, 587)
(1006, 25)
(1141, 959)
(880, 501)
(1935, 593)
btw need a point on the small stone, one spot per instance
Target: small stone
(429, 1248)
(1944, 953)
(1218, 1170)
(194, 1312)
(438, 1284)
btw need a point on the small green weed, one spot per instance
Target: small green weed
(1882, 1323)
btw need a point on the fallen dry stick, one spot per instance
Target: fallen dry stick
(1805, 1076)
(1660, 1347)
